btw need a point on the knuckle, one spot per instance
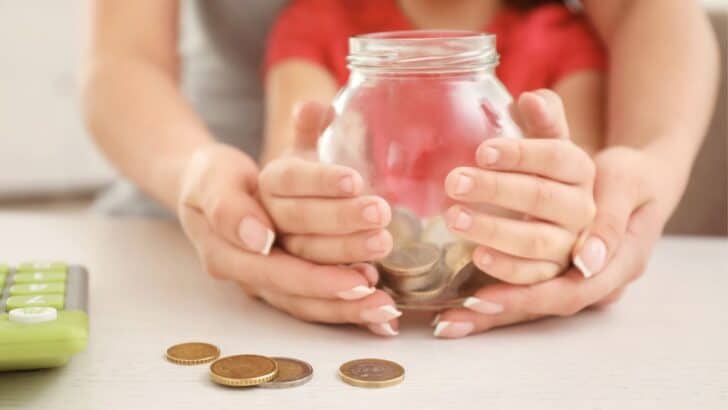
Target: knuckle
(543, 194)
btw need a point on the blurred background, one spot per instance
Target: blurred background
(48, 163)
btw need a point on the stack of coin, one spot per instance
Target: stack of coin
(427, 263)
(371, 373)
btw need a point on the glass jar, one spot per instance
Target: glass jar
(417, 105)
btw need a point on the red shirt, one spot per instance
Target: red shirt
(537, 47)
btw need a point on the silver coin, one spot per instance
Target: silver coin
(291, 373)
(411, 259)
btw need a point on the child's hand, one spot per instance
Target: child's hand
(546, 177)
(318, 208)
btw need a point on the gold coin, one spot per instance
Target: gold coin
(192, 353)
(243, 370)
(458, 255)
(371, 373)
(291, 373)
(411, 259)
(405, 227)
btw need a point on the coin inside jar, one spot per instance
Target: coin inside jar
(192, 353)
(411, 259)
(405, 226)
(291, 373)
(371, 373)
(243, 370)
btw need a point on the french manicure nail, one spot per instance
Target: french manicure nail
(490, 155)
(376, 243)
(435, 320)
(463, 184)
(453, 330)
(383, 329)
(380, 314)
(372, 214)
(485, 259)
(256, 236)
(482, 306)
(357, 292)
(368, 271)
(591, 258)
(346, 184)
(463, 221)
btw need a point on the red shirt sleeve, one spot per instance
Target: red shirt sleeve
(576, 47)
(304, 29)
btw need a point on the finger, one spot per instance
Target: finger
(565, 205)
(617, 193)
(458, 323)
(570, 293)
(325, 216)
(512, 269)
(525, 239)
(559, 160)
(278, 271)
(349, 248)
(295, 177)
(612, 298)
(309, 120)
(541, 115)
(226, 202)
(376, 308)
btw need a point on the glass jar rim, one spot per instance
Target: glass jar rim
(423, 51)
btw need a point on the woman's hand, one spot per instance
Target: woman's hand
(232, 234)
(319, 208)
(546, 177)
(627, 225)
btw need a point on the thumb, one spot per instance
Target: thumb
(540, 114)
(310, 119)
(617, 197)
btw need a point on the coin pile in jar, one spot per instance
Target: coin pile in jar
(427, 262)
(249, 370)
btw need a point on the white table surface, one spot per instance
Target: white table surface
(664, 346)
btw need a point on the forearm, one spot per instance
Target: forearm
(662, 82)
(142, 123)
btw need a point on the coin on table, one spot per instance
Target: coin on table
(411, 259)
(371, 373)
(192, 353)
(243, 370)
(405, 226)
(291, 373)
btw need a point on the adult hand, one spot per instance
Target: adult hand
(629, 221)
(232, 234)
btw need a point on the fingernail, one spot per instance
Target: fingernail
(463, 184)
(256, 236)
(490, 155)
(346, 185)
(371, 213)
(357, 292)
(380, 314)
(452, 330)
(485, 259)
(463, 221)
(377, 243)
(482, 306)
(435, 320)
(383, 329)
(368, 271)
(591, 258)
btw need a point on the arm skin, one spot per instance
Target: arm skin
(132, 101)
(662, 82)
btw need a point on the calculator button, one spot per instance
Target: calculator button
(37, 288)
(55, 301)
(29, 277)
(33, 314)
(43, 266)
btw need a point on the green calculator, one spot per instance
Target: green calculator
(43, 314)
